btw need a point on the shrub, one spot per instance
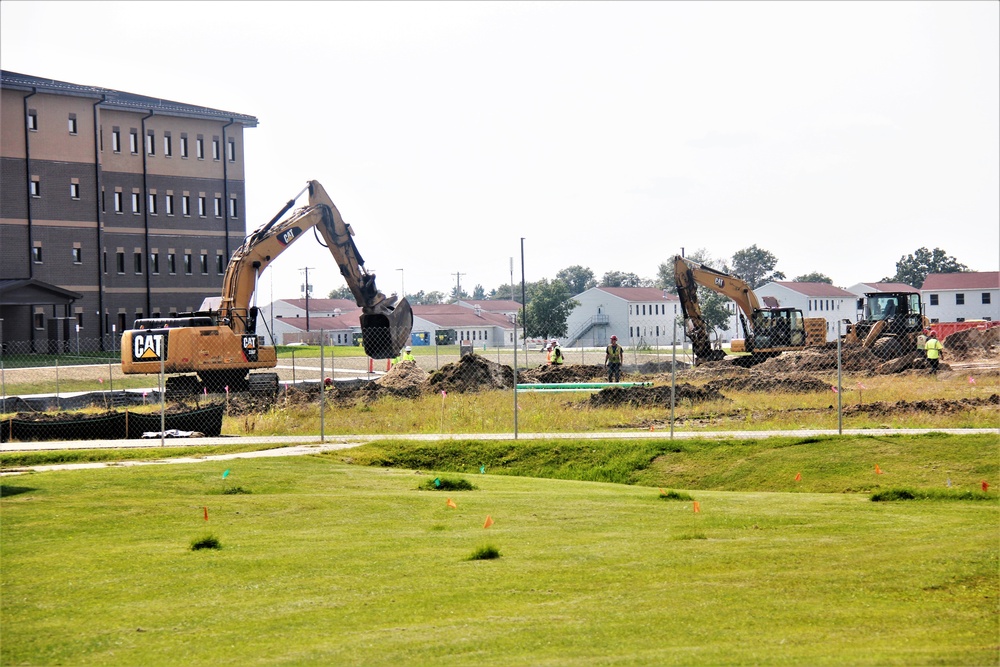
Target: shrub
(206, 542)
(487, 552)
(447, 484)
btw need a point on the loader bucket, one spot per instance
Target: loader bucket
(383, 334)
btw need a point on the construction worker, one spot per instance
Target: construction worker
(555, 354)
(407, 354)
(934, 348)
(613, 360)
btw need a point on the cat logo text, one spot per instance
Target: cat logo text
(149, 346)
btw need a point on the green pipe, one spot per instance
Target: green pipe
(581, 385)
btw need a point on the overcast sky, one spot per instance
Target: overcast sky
(840, 136)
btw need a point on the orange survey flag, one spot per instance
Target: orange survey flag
(878, 471)
(451, 503)
(697, 507)
(798, 477)
(489, 521)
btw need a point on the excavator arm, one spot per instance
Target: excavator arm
(694, 323)
(385, 323)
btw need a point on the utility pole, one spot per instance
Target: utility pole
(402, 285)
(458, 285)
(307, 288)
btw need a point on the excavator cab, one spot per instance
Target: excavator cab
(778, 327)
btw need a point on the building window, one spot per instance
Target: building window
(187, 263)
(72, 123)
(204, 263)
(78, 255)
(215, 149)
(151, 143)
(218, 207)
(152, 203)
(199, 147)
(220, 264)
(185, 205)
(39, 321)
(119, 203)
(137, 262)
(168, 204)
(960, 299)
(74, 190)
(35, 187)
(934, 299)
(135, 203)
(232, 151)
(32, 120)
(154, 262)
(168, 148)
(201, 206)
(172, 263)
(959, 319)
(133, 141)
(36, 254)
(116, 140)
(234, 209)
(986, 297)
(120, 261)
(184, 145)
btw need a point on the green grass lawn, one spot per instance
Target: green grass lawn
(325, 562)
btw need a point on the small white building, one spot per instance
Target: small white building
(957, 297)
(637, 315)
(474, 325)
(814, 300)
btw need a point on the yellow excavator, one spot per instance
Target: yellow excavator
(767, 331)
(222, 347)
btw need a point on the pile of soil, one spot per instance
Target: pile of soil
(788, 383)
(472, 373)
(405, 375)
(652, 396)
(563, 373)
(405, 379)
(926, 407)
(973, 344)
(40, 417)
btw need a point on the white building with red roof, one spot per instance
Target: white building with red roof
(637, 315)
(959, 297)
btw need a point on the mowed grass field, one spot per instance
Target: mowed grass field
(351, 559)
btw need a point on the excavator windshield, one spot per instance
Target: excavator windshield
(778, 327)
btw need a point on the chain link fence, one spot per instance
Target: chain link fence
(81, 390)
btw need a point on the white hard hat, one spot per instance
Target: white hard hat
(408, 348)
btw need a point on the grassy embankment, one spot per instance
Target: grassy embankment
(324, 562)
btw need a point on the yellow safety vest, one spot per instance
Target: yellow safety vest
(934, 348)
(614, 354)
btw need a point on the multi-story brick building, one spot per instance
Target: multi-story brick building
(113, 206)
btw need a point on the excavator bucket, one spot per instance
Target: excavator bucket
(384, 333)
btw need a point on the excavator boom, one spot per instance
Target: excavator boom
(221, 347)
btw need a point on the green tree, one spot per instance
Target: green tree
(549, 306)
(478, 293)
(457, 294)
(665, 272)
(714, 309)
(914, 269)
(503, 293)
(425, 299)
(341, 293)
(622, 279)
(756, 266)
(814, 277)
(577, 278)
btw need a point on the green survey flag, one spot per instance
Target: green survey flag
(225, 474)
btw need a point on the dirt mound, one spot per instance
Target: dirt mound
(563, 373)
(472, 373)
(403, 376)
(925, 407)
(788, 383)
(652, 396)
(973, 343)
